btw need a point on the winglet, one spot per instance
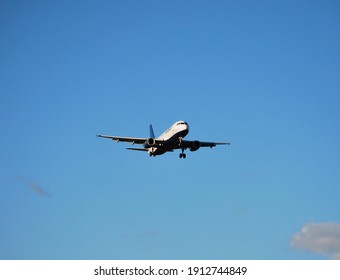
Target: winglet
(152, 134)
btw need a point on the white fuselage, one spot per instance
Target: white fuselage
(178, 129)
(171, 137)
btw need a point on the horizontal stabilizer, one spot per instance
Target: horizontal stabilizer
(138, 149)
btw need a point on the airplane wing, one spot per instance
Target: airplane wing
(189, 144)
(133, 140)
(213, 144)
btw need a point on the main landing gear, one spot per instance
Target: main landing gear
(182, 154)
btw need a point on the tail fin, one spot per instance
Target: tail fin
(152, 134)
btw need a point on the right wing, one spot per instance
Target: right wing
(132, 140)
(188, 144)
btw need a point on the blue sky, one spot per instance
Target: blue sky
(261, 74)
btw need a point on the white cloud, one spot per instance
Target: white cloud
(322, 238)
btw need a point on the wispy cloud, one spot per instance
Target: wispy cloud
(34, 186)
(322, 238)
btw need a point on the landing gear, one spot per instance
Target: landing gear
(182, 154)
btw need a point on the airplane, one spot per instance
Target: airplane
(169, 140)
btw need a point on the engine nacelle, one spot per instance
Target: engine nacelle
(195, 146)
(150, 142)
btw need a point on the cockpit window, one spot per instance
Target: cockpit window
(181, 123)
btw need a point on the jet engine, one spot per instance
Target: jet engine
(150, 142)
(195, 146)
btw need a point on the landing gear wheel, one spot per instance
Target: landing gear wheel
(182, 155)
